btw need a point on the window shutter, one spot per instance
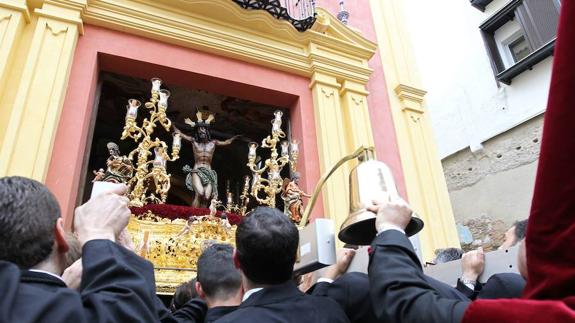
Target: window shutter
(539, 19)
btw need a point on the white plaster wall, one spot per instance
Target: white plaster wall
(465, 104)
(505, 195)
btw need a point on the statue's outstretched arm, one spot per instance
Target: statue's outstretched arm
(226, 142)
(183, 135)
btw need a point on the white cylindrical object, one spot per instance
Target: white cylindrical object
(164, 95)
(177, 142)
(285, 148)
(133, 106)
(156, 83)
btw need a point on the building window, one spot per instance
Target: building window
(481, 4)
(519, 49)
(520, 35)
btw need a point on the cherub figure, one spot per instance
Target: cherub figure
(225, 222)
(214, 207)
(187, 227)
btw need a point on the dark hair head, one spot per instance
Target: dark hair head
(520, 230)
(216, 272)
(266, 243)
(447, 255)
(28, 215)
(196, 132)
(185, 292)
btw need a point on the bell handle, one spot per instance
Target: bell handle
(358, 152)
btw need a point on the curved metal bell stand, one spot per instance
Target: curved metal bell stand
(370, 180)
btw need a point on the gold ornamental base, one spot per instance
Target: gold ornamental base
(173, 246)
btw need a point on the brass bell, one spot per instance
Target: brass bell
(369, 181)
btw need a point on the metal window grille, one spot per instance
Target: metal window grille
(300, 13)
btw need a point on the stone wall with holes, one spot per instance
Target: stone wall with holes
(492, 188)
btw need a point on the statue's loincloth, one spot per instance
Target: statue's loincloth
(206, 175)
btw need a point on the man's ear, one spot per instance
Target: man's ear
(199, 290)
(60, 236)
(237, 263)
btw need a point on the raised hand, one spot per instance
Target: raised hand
(472, 264)
(394, 212)
(344, 258)
(102, 217)
(72, 275)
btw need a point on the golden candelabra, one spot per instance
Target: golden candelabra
(245, 196)
(231, 207)
(139, 183)
(272, 185)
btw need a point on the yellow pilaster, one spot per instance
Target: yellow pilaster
(423, 173)
(14, 16)
(356, 115)
(331, 145)
(27, 144)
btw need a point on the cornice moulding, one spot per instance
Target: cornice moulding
(222, 27)
(18, 7)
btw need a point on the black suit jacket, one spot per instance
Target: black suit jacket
(399, 290)
(351, 292)
(468, 292)
(117, 286)
(503, 285)
(445, 290)
(215, 313)
(285, 303)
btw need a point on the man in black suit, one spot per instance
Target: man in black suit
(399, 289)
(266, 247)
(503, 285)
(351, 290)
(115, 283)
(219, 283)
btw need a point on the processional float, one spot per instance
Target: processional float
(172, 237)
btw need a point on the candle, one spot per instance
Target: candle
(133, 106)
(159, 159)
(274, 174)
(252, 149)
(294, 146)
(177, 141)
(164, 95)
(156, 83)
(277, 121)
(285, 147)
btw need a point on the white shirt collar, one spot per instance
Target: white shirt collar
(47, 272)
(250, 292)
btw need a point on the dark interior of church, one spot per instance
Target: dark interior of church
(233, 116)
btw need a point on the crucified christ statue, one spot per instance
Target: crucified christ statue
(201, 178)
